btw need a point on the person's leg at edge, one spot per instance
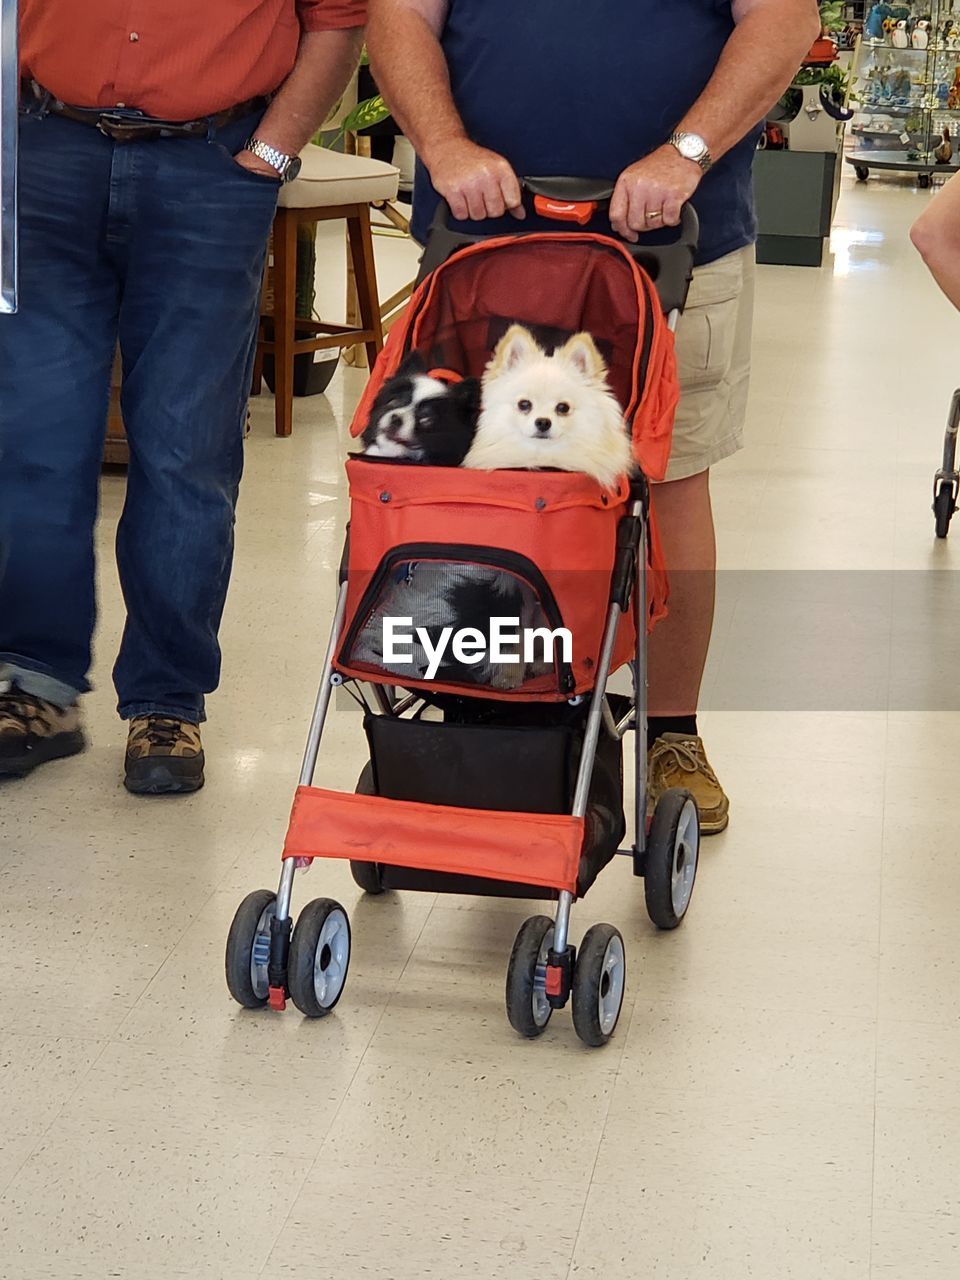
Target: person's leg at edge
(713, 354)
(187, 333)
(55, 360)
(679, 645)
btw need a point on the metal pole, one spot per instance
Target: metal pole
(324, 693)
(587, 756)
(9, 102)
(950, 440)
(640, 699)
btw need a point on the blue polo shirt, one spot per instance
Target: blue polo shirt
(584, 88)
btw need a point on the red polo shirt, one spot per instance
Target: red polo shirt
(174, 59)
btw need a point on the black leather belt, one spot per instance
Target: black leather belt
(124, 124)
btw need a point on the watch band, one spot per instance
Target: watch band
(276, 159)
(699, 155)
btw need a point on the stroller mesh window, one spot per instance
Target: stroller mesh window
(469, 617)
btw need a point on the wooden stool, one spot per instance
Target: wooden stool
(330, 186)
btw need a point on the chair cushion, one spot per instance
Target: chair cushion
(330, 178)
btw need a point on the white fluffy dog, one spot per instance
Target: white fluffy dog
(556, 411)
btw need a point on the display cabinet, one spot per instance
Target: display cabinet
(907, 86)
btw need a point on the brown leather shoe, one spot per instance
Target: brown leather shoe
(164, 756)
(33, 731)
(676, 760)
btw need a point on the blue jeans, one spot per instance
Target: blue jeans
(161, 245)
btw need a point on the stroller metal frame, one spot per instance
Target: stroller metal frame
(946, 483)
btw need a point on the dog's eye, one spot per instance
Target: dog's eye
(563, 408)
(524, 406)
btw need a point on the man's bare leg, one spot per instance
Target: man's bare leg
(678, 649)
(679, 644)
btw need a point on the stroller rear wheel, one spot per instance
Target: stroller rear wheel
(673, 852)
(598, 985)
(528, 1008)
(319, 957)
(368, 876)
(248, 949)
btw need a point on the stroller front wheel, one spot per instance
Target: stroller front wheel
(528, 1007)
(673, 853)
(248, 949)
(598, 985)
(319, 957)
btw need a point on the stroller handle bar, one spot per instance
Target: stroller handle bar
(576, 200)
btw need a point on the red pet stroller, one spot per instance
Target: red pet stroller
(479, 783)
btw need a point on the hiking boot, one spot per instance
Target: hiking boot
(164, 756)
(33, 731)
(676, 760)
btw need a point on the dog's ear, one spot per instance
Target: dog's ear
(412, 365)
(466, 395)
(581, 352)
(516, 347)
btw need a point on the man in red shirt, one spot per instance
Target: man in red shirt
(154, 137)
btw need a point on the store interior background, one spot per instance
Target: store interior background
(780, 1098)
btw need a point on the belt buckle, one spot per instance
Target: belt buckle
(121, 128)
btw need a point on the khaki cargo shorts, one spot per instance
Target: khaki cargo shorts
(713, 353)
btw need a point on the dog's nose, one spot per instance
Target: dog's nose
(543, 425)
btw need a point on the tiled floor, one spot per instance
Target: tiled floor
(780, 1100)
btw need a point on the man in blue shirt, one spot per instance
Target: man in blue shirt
(665, 96)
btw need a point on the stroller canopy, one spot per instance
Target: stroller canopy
(556, 284)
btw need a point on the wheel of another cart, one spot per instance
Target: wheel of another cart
(319, 957)
(528, 1007)
(944, 506)
(599, 981)
(248, 949)
(672, 857)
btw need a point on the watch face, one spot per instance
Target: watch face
(691, 146)
(293, 168)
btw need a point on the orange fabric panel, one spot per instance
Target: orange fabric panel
(564, 522)
(530, 848)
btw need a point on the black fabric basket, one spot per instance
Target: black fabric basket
(501, 759)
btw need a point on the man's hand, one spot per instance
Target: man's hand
(652, 192)
(247, 160)
(476, 183)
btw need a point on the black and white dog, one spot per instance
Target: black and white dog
(422, 419)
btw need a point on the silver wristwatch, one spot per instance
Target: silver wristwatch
(287, 167)
(692, 147)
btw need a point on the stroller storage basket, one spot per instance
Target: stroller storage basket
(538, 547)
(508, 767)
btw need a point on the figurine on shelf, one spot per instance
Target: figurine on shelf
(901, 86)
(953, 97)
(943, 154)
(873, 28)
(951, 34)
(942, 95)
(900, 40)
(921, 34)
